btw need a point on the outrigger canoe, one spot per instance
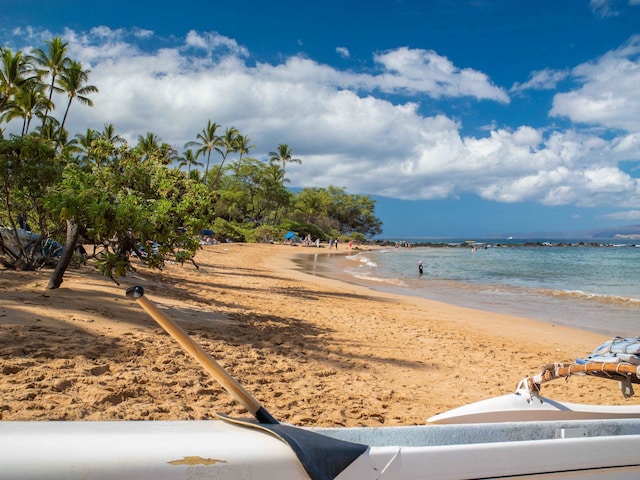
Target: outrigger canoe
(32, 242)
(215, 449)
(513, 436)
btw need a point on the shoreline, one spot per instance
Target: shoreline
(314, 351)
(288, 263)
(610, 316)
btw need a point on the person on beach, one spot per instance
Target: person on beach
(420, 267)
(336, 242)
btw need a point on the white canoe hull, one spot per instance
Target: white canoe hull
(521, 406)
(599, 449)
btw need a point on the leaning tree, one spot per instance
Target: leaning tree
(129, 204)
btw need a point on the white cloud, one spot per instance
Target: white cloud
(343, 52)
(604, 8)
(348, 134)
(629, 215)
(196, 40)
(212, 41)
(609, 96)
(142, 33)
(424, 71)
(546, 79)
(610, 8)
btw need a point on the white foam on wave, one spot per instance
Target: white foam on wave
(617, 299)
(389, 281)
(362, 259)
(365, 270)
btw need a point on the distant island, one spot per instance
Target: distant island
(632, 236)
(629, 232)
(602, 237)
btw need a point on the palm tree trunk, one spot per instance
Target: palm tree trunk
(206, 169)
(64, 119)
(215, 181)
(47, 110)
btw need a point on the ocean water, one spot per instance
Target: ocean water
(595, 288)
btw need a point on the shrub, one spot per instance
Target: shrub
(225, 230)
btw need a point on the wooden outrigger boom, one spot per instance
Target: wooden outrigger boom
(625, 373)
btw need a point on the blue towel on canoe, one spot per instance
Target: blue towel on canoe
(616, 350)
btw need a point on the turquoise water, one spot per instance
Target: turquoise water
(588, 287)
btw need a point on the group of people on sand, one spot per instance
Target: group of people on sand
(332, 243)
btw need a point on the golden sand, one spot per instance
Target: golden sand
(313, 351)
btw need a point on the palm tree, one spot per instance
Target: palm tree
(149, 144)
(72, 81)
(284, 155)
(242, 145)
(28, 101)
(84, 143)
(207, 141)
(50, 130)
(226, 144)
(188, 159)
(311, 204)
(14, 70)
(53, 61)
(274, 191)
(167, 154)
(109, 134)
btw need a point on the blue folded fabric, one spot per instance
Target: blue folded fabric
(616, 350)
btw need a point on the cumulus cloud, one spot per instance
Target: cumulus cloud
(609, 94)
(416, 71)
(365, 130)
(213, 41)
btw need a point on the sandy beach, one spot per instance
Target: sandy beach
(313, 351)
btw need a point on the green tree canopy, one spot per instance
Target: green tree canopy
(133, 206)
(29, 166)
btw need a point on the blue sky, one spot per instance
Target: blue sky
(461, 118)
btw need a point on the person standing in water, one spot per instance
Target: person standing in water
(420, 267)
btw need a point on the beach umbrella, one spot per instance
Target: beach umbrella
(290, 235)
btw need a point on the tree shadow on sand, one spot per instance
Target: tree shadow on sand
(66, 362)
